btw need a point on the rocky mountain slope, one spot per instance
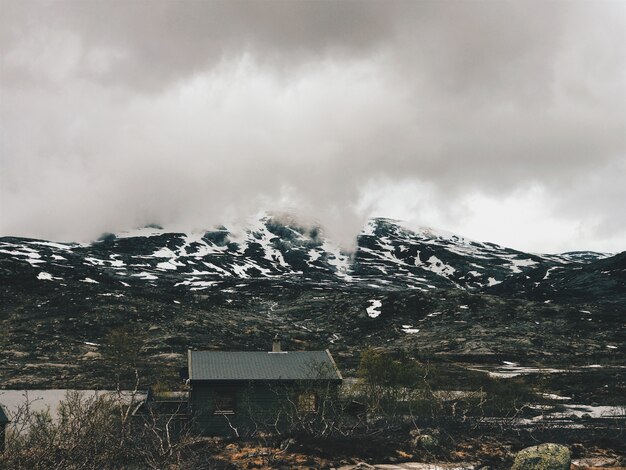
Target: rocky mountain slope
(387, 255)
(428, 291)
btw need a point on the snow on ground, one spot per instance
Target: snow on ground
(409, 329)
(202, 248)
(196, 285)
(171, 265)
(58, 246)
(29, 253)
(444, 235)
(88, 280)
(217, 268)
(240, 271)
(44, 276)
(374, 309)
(548, 272)
(492, 281)
(95, 261)
(163, 252)
(386, 250)
(595, 411)
(517, 263)
(145, 276)
(510, 370)
(552, 396)
(313, 256)
(439, 267)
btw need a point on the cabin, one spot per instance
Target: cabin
(237, 393)
(4, 421)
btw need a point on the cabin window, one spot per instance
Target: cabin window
(224, 402)
(307, 402)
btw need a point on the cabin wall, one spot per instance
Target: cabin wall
(254, 405)
(259, 406)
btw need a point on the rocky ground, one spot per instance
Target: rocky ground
(467, 453)
(463, 308)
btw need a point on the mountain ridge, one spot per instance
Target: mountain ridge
(433, 294)
(386, 254)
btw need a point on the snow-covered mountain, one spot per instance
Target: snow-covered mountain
(235, 288)
(387, 256)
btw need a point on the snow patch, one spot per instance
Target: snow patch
(374, 309)
(52, 245)
(146, 276)
(171, 265)
(44, 276)
(409, 329)
(439, 267)
(517, 263)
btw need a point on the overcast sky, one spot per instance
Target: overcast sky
(501, 121)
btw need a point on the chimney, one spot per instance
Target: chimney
(276, 344)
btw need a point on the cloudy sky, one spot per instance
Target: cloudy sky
(501, 121)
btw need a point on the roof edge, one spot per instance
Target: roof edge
(335, 379)
(190, 351)
(189, 364)
(332, 360)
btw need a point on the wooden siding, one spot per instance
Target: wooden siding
(259, 406)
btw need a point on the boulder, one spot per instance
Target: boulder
(426, 441)
(543, 457)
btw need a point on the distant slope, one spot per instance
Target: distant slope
(387, 256)
(600, 280)
(423, 291)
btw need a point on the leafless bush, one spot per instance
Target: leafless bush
(94, 431)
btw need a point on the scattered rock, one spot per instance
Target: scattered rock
(426, 441)
(92, 355)
(363, 466)
(595, 462)
(543, 457)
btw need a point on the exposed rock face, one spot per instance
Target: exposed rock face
(543, 457)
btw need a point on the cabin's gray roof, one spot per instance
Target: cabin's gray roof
(3, 416)
(246, 365)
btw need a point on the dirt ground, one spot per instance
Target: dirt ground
(471, 453)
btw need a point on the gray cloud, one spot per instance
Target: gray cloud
(116, 114)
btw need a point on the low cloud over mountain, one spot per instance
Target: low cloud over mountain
(504, 121)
